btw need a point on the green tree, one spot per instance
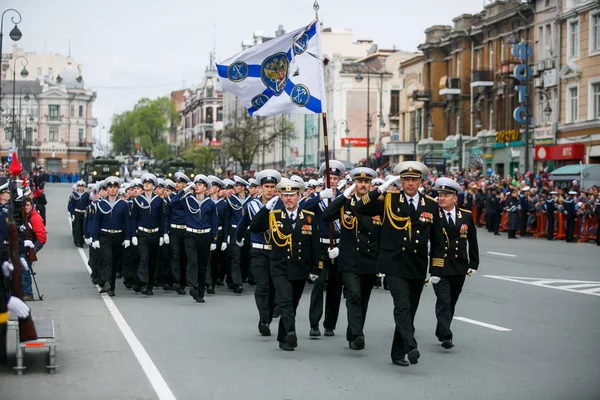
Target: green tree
(203, 158)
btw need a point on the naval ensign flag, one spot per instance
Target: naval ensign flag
(282, 75)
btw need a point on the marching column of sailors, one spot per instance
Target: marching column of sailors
(185, 233)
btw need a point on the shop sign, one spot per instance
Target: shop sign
(574, 151)
(522, 73)
(507, 136)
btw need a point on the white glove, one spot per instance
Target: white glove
(471, 271)
(7, 269)
(72, 217)
(240, 243)
(161, 241)
(271, 203)
(435, 279)
(333, 253)
(190, 186)
(326, 193)
(166, 238)
(88, 241)
(18, 307)
(96, 244)
(24, 264)
(213, 246)
(341, 184)
(388, 183)
(313, 277)
(28, 243)
(134, 241)
(126, 243)
(223, 246)
(348, 192)
(22, 228)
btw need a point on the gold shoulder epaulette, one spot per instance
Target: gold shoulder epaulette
(430, 198)
(308, 212)
(366, 199)
(467, 211)
(276, 211)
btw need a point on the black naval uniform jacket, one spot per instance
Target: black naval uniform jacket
(359, 239)
(294, 256)
(403, 252)
(461, 250)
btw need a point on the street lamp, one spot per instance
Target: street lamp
(346, 131)
(26, 98)
(547, 109)
(15, 34)
(24, 74)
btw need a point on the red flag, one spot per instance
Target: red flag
(15, 166)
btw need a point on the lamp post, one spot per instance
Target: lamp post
(24, 74)
(334, 133)
(478, 126)
(21, 97)
(15, 35)
(547, 109)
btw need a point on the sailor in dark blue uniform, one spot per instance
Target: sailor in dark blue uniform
(328, 267)
(200, 235)
(110, 234)
(570, 214)
(99, 192)
(549, 207)
(175, 225)
(169, 189)
(253, 188)
(260, 251)
(148, 224)
(217, 264)
(78, 203)
(163, 276)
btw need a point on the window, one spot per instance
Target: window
(573, 39)
(219, 114)
(72, 110)
(39, 72)
(548, 41)
(81, 134)
(209, 115)
(53, 134)
(395, 102)
(7, 133)
(209, 91)
(24, 110)
(572, 103)
(547, 3)
(29, 135)
(34, 111)
(403, 123)
(594, 99)
(420, 77)
(419, 124)
(412, 127)
(594, 42)
(457, 65)
(50, 71)
(80, 111)
(53, 112)
(540, 38)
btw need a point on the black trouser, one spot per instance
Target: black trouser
(479, 210)
(197, 249)
(111, 248)
(494, 222)
(357, 291)
(570, 228)
(406, 294)
(148, 244)
(78, 229)
(447, 291)
(235, 266)
(550, 229)
(332, 276)
(523, 227)
(288, 295)
(164, 266)
(94, 262)
(178, 256)
(264, 293)
(214, 268)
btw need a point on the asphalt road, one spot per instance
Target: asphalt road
(527, 327)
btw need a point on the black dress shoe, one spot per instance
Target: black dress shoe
(358, 343)
(119, 275)
(210, 290)
(285, 346)
(292, 339)
(144, 289)
(314, 332)
(230, 286)
(447, 344)
(200, 300)
(149, 292)
(136, 288)
(413, 356)
(238, 289)
(264, 329)
(402, 363)
(105, 287)
(218, 282)
(329, 332)
(111, 293)
(251, 282)
(128, 285)
(194, 293)
(166, 286)
(180, 291)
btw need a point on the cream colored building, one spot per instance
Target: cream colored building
(39, 65)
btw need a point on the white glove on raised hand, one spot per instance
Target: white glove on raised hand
(126, 243)
(166, 238)
(7, 269)
(271, 203)
(350, 191)
(28, 243)
(190, 186)
(471, 271)
(161, 241)
(18, 307)
(326, 193)
(388, 183)
(223, 246)
(88, 241)
(333, 253)
(134, 241)
(240, 243)
(213, 246)
(96, 244)
(435, 279)
(341, 184)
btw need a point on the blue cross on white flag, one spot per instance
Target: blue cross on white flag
(282, 75)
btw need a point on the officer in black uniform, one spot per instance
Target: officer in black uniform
(549, 207)
(524, 204)
(148, 221)
(296, 248)
(111, 233)
(571, 215)
(78, 203)
(358, 251)
(460, 257)
(512, 208)
(409, 222)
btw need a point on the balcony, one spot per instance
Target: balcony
(449, 85)
(421, 95)
(482, 78)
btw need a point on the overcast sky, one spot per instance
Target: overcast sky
(146, 48)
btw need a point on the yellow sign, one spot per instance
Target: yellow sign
(488, 156)
(507, 136)
(443, 82)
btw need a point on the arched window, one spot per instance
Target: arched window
(209, 115)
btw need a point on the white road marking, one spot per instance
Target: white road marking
(484, 324)
(559, 284)
(500, 254)
(156, 380)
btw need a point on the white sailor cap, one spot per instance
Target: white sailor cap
(161, 182)
(268, 176)
(80, 183)
(95, 188)
(253, 182)
(121, 192)
(229, 184)
(320, 181)
(148, 177)
(136, 182)
(572, 192)
(526, 189)
(447, 186)
(112, 180)
(296, 178)
(288, 186)
(239, 181)
(102, 184)
(169, 184)
(216, 181)
(201, 178)
(90, 185)
(363, 173)
(4, 188)
(335, 168)
(312, 183)
(181, 177)
(553, 192)
(377, 182)
(411, 169)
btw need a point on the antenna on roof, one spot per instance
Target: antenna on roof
(69, 49)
